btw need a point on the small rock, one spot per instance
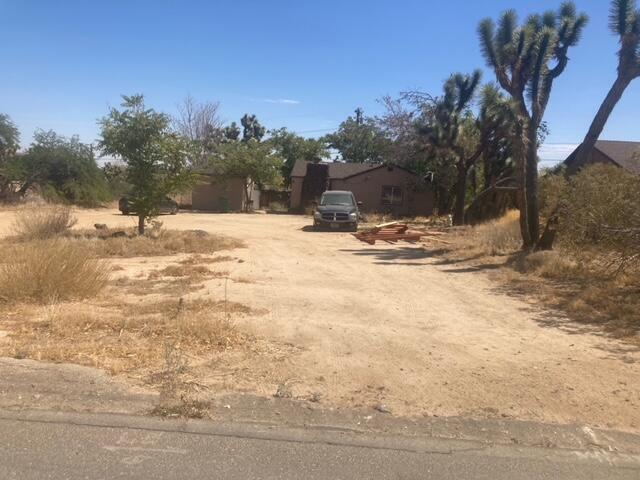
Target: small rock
(382, 408)
(100, 226)
(283, 391)
(315, 397)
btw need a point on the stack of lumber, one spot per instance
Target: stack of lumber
(388, 232)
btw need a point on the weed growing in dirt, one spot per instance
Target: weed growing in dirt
(42, 223)
(50, 270)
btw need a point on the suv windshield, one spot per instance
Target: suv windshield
(336, 199)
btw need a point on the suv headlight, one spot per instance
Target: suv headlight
(317, 215)
(353, 216)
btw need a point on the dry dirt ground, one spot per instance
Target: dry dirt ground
(353, 325)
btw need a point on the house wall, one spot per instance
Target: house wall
(295, 202)
(183, 199)
(219, 196)
(596, 156)
(367, 188)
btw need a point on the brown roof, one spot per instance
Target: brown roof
(337, 170)
(625, 154)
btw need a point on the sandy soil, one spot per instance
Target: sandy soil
(364, 325)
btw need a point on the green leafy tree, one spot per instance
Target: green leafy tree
(9, 137)
(157, 159)
(359, 140)
(115, 173)
(254, 162)
(291, 147)
(9, 145)
(625, 23)
(527, 59)
(62, 169)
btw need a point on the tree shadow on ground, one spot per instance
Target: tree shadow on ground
(312, 229)
(556, 316)
(396, 256)
(474, 268)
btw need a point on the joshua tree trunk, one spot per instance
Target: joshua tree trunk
(531, 182)
(520, 154)
(600, 120)
(140, 224)
(461, 193)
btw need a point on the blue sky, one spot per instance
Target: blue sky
(300, 64)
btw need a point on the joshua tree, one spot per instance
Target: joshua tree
(453, 131)
(495, 121)
(624, 22)
(526, 60)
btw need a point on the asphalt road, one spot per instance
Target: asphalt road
(75, 446)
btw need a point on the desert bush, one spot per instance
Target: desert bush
(43, 222)
(499, 236)
(601, 212)
(47, 270)
(552, 193)
(278, 207)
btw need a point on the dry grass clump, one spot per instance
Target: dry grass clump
(500, 236)
(126, 339)
(48, 270)
(42, 223)
(196, 272)
(550, 264)
(199, 259)
(167, 242)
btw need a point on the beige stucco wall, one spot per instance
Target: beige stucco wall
(367, 188)
(219, 196)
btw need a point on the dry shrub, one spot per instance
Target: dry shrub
(43, 222)
(550, 264)
(167, 242)
(499, 236)
(599, 214)
(47, 270)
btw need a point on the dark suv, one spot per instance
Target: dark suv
(167, 205)
(337, 209)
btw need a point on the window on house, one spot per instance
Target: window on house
(391, 196)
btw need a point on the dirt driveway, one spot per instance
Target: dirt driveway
(394, 326)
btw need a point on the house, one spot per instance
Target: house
(622, 154)
(381, 188)
(214, 194)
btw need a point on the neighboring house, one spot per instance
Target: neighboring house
(621, 154)
(381, 188)
(212, 194)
